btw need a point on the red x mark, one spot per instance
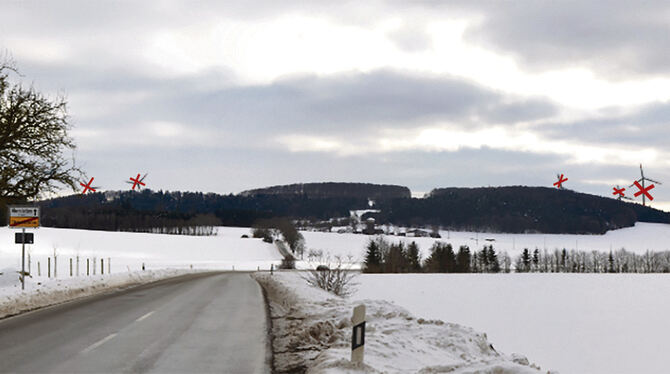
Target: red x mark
(560, 182)
(87, 186)
(619, 191)
(16, 223)
(643, 190)
(137, 181)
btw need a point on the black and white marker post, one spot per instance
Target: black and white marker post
(358, 334)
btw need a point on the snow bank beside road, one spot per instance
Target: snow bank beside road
(312, 332)
(44, 292)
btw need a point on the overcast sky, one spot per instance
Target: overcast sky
(223, 96)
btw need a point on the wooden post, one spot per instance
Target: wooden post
(272, 268)
(49, 267)
(358, 334)
(70, 266)
(102, 266)
(88, 267)
(109, 265)
(77, 265)
(39, 270)
(55, 267)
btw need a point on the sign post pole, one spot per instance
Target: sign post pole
(22, 217)
(23, 259)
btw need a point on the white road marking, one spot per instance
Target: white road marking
(144, 316)
(98, 343)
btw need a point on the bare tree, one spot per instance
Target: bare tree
(33, 140)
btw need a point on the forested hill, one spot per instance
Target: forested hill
(520, 209)
(501, 209)
(334, 190)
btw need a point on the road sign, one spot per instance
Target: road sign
(24, 216)
(24, 238)
(358, 335)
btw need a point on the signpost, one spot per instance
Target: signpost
(358, 335)
(22, 217)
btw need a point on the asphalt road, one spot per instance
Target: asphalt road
(194, 324)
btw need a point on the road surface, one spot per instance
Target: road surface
(194, 324)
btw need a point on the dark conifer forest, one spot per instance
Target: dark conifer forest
(501, 209)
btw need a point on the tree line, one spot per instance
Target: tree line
(383, 256)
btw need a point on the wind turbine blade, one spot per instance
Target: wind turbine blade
(653, 181)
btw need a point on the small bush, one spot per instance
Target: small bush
(335, 278)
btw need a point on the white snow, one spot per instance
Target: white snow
(573, 323)
(637, 239)
(313, 327)
(128, 251)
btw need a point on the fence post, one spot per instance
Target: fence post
(88, 267)
(49, 267)
(102, 266)
(77, 265)
(55, 267)
(70, 266)
(109, 265)
(39, 271)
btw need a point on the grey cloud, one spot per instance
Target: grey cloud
(648, 126)
(616, 39)
(345, 102)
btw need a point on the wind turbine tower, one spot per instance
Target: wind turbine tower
(642, 181)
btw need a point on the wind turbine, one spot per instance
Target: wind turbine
(137, 181)
(642, 180)
(621, 196)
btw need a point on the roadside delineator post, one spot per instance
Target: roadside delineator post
(358, 334)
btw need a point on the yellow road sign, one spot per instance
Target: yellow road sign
(24, 221)
(24, 216)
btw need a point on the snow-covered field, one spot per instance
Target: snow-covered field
(573, 323)
(312, 330)
(128, 251)
(637, 239)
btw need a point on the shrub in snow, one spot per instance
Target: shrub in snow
(333, 277)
